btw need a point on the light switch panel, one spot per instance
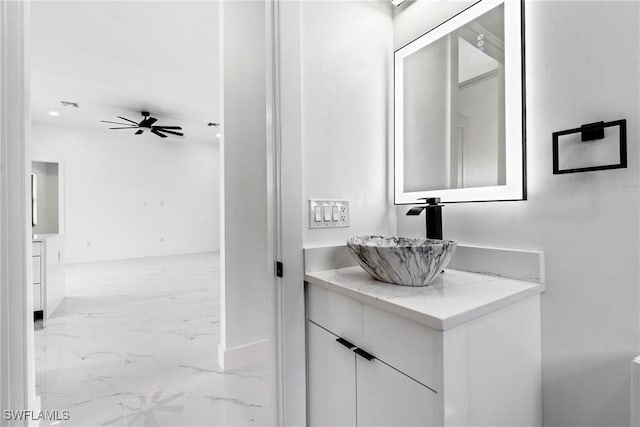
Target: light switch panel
(329, 213)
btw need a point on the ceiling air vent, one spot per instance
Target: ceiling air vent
(70, 104)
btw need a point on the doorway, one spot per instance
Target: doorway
(138, 406)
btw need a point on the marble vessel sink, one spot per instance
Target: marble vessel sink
(401, 260)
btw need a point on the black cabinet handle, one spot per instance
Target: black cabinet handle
(361, 352)
(345, 343)
(355, 349)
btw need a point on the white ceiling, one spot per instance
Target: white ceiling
(119, 58)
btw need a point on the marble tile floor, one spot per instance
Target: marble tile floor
(134, 344)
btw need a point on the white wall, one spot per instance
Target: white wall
(129, 196)
(346, 56)
(582, 66)
(247, 259)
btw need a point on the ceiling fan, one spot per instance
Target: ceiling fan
(147, 124)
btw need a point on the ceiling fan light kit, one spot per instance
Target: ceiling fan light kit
(146, 124)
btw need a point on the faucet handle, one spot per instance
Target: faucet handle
(431, 201)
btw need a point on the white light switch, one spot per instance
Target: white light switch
(329, 213)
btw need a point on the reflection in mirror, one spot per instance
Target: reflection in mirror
(454, 108)
(459, 108)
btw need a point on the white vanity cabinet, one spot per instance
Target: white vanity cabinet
(479, 365)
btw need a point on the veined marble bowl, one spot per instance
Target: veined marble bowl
(401, 260)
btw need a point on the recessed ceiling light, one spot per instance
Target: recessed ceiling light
(397, 2)
(54, 113)
(218, 135)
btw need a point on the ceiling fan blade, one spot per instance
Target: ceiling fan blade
(116, 123)
(128, 127)
(168, 127)
(131, 121)
(155, 132)
(139, 132)
(171, 132)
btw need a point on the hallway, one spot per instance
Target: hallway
(134, 343)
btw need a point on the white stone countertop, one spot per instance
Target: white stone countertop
(453, 298)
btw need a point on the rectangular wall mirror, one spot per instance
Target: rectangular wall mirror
(459, 108)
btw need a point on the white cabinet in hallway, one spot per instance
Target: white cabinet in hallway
(37, 275)
(48, 273)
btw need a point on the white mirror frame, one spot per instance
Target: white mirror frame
(515, 135)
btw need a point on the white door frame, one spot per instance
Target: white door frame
(17, 370)
(284, 101)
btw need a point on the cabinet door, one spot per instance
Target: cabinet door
(331, 380)
(37, 297)
(387, 397)
(54, 274)
(36, 263)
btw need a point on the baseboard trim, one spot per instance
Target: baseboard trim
(72, 262)
(242, 355)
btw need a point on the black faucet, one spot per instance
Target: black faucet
(433, 214)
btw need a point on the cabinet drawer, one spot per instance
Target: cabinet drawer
(37, 297)
(37, 269)
(411, 348)
(36, 249)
